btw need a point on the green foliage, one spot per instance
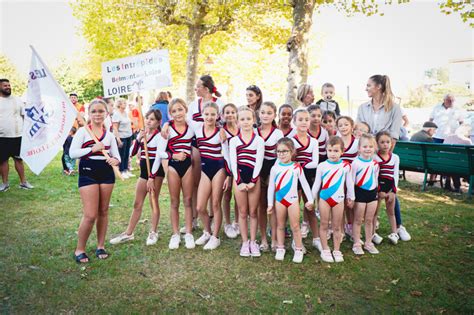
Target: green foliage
(8, 71)
(425, 97)
(463, 7)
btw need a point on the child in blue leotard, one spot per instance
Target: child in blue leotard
(283, 197)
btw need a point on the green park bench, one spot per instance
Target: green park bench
(435, 158)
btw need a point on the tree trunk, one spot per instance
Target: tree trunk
(297, 46)
(194, 42)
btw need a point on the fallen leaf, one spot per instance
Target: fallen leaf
(416, 293)
(34, 267)
(306, 296)
(319, 300)
(394, 282)
(446, 228)
(288, 302)
(43, 283)
(83, 268)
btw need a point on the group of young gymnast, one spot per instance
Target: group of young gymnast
(334, 167)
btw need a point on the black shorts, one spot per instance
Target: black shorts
(310, 175)
(10, 147)
(144, 170)
(92, 172)
(364, 195)
(266, 168)
(181, 167)
(387, 185)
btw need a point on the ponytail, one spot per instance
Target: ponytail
(208, 82)
(387, 94)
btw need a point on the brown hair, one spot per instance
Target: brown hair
(245, 108)
(208, 82)
(381, 134)
(274, 108)
(299, 110)
(289, 144)
(387, 94)
(363, 123)
(327, 85)
(349, 119)
(335, 140)
(157, 114)
(257, 92)
(162, 96)
(175, 101)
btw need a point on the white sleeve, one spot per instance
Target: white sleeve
(114, 152)
(76, 151)
(189, 114)
(225, 153)
(305, 185)
(317, 183)
(353, 173)
(271, 188)
(233, 159)
(349, 185)
(396, 170)
(315, 159)
(258, 159)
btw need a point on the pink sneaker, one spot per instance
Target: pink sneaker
(254, 249)
(245, 249)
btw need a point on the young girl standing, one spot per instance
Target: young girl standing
(285, 115)
(212, 145)
(345, 127)
(246, 151)
(329, 122)
(388, 181)
(176, 140)
(270, 134)
(146, 182)
(365, 171)
(307, 155)
(283, 197)
(231, 229)
(96, 179)
(333, 185)
(317, 131)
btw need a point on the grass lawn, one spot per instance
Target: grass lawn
(433, 273)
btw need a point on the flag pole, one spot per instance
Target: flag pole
(79, 116)
(154, 206)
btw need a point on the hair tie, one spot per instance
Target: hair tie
(214, 90)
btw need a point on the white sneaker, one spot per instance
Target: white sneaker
(403, 233)
(371, 249)
(213, 243)
(130, 174)
(304, 229)
(174, 241)
(189, 241)
(122, 238)
(280, 254)
(298, 256)
(338, 257)
(393, 237)
(317, 244)
(229, 231)
(203, 239)
(236, 227)
(182, 230)
(26, 185)
(152, 238)
(4, 187)
(358, 250)
(293, 247)
(377, 239)
(326, 256)
(125, 175)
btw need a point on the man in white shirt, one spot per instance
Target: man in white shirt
(446, 117)
(11, 129)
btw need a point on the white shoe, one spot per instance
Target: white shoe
(393, 237)
(213, 243)
(130, 174)
(122, 238)
(174, 241)
(229, 231)
(189, 241)
(236, 227)
(338, 257)
(182, 230)
(203, 239)
(358, 250)
(152, 238)
(298, 256)
(403, 233)
(4, 187)
(317, 244)
(293, 247)
(125, 175)
(377, 239)
(26, 185)
(371, 249)
(280, 254)
(304, 229)
(326, 256)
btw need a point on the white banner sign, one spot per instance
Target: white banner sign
(146, 71)
(49, 115)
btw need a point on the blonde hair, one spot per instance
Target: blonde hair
(176, 101)
(245, 108)
(369, 137)
(211, 105)
(388, 99)
(299, 110)
(119, 102)
(98, 101)
(303, 90)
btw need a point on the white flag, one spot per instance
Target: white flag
(49, 115)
